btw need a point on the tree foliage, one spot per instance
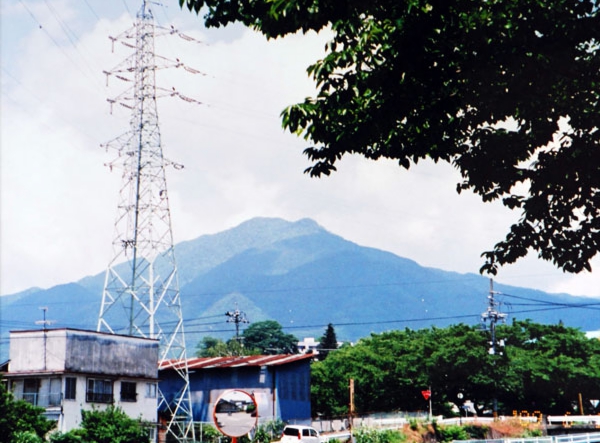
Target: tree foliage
(111, 425)
(20, 420)
(550, 365)
(541, 367)
(506, 91)
(268, 338)
(215, 347)
(328, 342)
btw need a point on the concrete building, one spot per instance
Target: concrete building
(67, 370)
(308, 345)
(280, 384)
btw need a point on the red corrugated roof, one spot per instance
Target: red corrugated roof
(235, 362)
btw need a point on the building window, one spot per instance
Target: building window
(31, 387)
(128, 391)
(54, 396)
(70, 388)
(99, 391)
(150, 390)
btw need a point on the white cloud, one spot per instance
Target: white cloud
(59, 202)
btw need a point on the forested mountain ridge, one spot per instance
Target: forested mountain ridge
(304, 277)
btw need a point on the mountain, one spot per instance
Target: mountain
(304, 277)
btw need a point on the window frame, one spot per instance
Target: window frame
(70, 388)
(151, 390)
(127, 394)
(101, 395)
(31, 390)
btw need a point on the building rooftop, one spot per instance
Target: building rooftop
(238, 361)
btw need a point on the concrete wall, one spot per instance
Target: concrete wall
(144, 407)
(32, 351)
(44, 359)
(111, 355)
(91, 352)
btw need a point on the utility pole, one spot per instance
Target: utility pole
(351, 408)
(236, 317)
(494, 316)
(141, 289)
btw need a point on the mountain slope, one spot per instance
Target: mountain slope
(304, 277)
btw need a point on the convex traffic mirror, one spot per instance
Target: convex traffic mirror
(235, 413)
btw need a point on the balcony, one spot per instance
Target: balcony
(42, 400)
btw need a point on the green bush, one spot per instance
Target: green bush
(26, 437)
(268, 431)
(20, 420)
(476, 432)
(207, 433)
(112, 425)
(533, 433)
(73, 436)
(452, 432)
(379, 436)
(413, 423)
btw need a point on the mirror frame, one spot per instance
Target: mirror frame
(249, 399)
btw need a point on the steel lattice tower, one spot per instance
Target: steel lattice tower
(141, 290)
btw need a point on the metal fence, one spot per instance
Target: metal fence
(571, 438)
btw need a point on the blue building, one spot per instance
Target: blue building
(280, 384)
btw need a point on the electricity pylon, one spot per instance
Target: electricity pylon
(141, 290)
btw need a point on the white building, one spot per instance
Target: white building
(67, 370)
(308, 345)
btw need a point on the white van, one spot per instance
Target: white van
(300, 434)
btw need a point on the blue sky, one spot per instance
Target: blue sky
(58, 200)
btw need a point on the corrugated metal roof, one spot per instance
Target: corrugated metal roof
(235, 362)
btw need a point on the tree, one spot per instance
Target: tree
(20, 420)
(553, 364)
(328, 342)
(507, 92)
(215, 347)
(542, 367)
(208, 346)
(268, 338)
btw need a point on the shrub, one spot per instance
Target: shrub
(452, 432)
(377, 436)
(26, 437)
(476, 432)
(73, 436)
(207, 433)
(20, 420)
(268, 432)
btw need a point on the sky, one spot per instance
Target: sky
(58, 199)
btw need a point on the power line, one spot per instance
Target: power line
(536, 302)
(58, 45)
(592, 305)
(92, 9)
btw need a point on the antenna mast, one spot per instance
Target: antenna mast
(141, 290)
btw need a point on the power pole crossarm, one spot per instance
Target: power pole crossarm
(236, 317)
(493, 315)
